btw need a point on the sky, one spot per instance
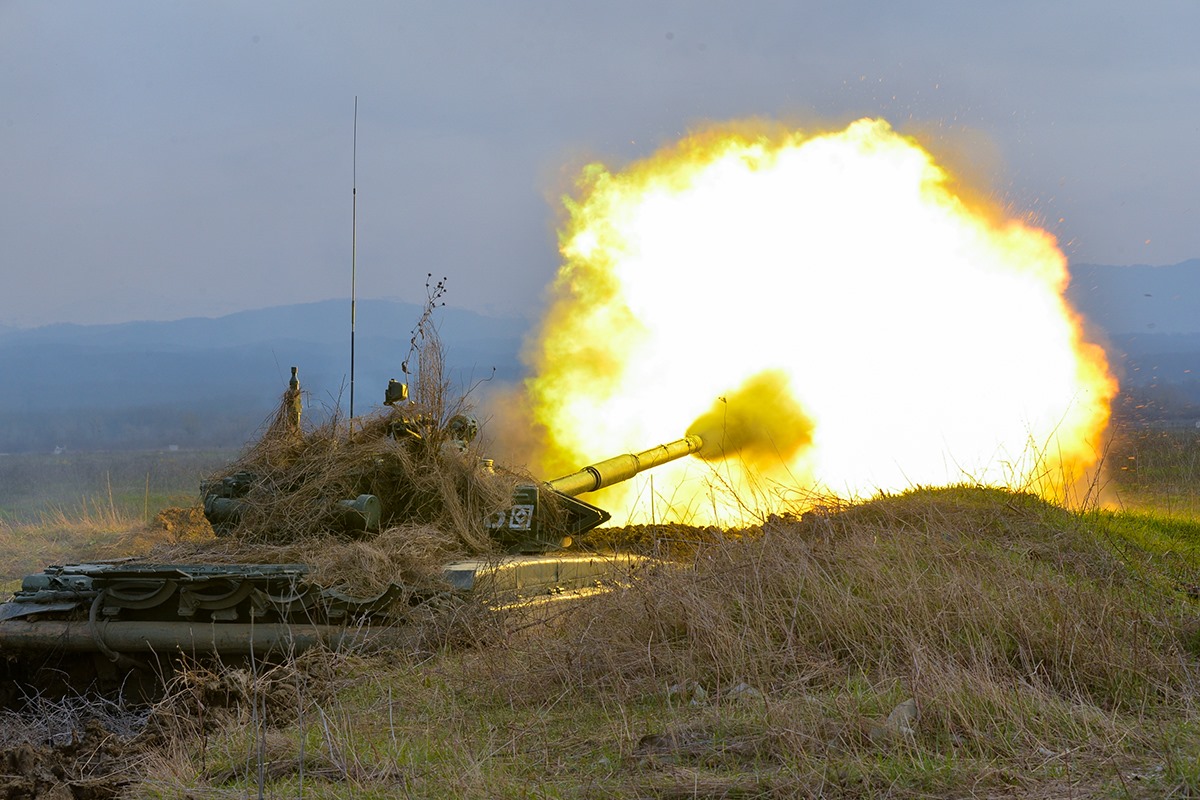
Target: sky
(161, 160)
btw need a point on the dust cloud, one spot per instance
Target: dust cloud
(760, 422)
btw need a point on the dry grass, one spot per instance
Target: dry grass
(95, 530)
(908, 589)
(1042, 664)
(1019, 634)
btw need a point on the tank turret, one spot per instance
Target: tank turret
(549, 516)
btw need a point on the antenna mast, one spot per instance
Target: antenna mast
(353, 251)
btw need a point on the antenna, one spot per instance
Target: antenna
(353, 251)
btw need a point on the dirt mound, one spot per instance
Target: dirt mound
(667, 540)
(52, 757)
(183, 524)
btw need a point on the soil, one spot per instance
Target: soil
(88, 763)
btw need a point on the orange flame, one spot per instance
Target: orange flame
(826, 311)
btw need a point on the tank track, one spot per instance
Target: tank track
(123, 591)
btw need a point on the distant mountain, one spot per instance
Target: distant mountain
(248, 354)
(93, 385)
(210, 382)
(326, 321)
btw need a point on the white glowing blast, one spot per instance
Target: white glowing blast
(897, 334)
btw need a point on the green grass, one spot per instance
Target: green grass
(135, 484)
(57, 509)
(1155, 471)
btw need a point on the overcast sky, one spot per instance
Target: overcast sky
(168, 159)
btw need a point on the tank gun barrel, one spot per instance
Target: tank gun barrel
(623, 467)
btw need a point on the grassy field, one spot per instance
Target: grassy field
(1157, 471)
(132, 485)
(960, 642)
(65, 508)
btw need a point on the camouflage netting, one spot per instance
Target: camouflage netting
(434, 490)
(419, 474)
(434, 493)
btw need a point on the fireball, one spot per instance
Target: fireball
(827, 312)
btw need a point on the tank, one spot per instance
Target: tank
(111, 619)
